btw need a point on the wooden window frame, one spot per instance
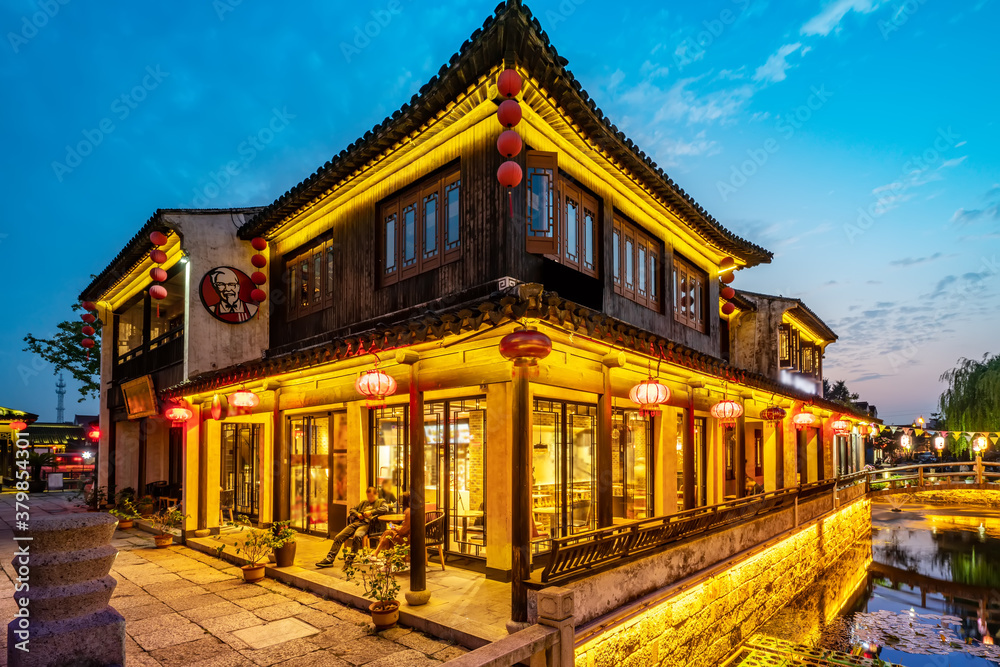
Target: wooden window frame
(686, 272)
(784, 346)
(645, 249)
(542, 234)
(795, 351)
(446, 248)
(314, 260)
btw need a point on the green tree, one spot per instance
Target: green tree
(972, 400)
(64, 352)
(838, 392)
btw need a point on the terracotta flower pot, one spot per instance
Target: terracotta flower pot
(163, 541)
(384, 614)
(285, 556)
(253, 572)
(125, 524)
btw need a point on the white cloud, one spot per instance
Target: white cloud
(829, 19)
(774, 69)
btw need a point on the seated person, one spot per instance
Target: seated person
(359, 521)
(401, 533)
(386, 494)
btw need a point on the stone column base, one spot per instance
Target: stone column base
(417, 598)
(94, 639)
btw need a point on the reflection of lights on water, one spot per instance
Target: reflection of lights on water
(913, 612)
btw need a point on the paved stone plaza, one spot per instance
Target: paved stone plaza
(183, 607)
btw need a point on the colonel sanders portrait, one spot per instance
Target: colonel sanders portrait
(221, 289)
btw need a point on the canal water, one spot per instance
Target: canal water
(922, 589)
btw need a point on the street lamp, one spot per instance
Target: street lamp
(939, 443)
(905, 441)
(979, 444)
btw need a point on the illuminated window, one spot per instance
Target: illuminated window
(421, 228)
(689, 294)
(784, 349)
(541, 214)
(635, 264)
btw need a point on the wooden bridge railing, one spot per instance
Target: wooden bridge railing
(579, 555)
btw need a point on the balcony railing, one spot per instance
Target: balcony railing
(159, 353)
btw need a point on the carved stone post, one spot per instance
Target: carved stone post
(555, 609)
(66, 620)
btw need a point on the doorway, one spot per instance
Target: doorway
(309, 473)
(631, 465)
(240, 450)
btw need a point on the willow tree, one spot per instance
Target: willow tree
(972, 400)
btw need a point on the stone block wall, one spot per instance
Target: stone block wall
(702, 623)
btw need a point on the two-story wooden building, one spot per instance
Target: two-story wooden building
(405, 254)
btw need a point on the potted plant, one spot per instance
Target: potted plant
(284, 543)
(255, 545)
(164, 521)
(95, 499)
(146, 505)
(375, 575)
(37, 461)
(126, 513)
(128, 493)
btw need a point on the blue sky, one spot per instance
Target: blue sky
(854, 138)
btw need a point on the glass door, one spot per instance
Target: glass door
(701, 461)
(309, 473)
(338, 481)
(465, 463)
(390, 449)
(631, 458)
(240, 448)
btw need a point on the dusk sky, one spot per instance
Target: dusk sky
(856, 139)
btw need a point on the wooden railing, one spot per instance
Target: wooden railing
(579, 554)
(929, 475)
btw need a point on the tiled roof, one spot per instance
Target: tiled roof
(10, 414)
(801, 311)
(512, 29)
(470, 316)
(56, 434)
(136, 250)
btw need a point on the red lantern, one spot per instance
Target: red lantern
(244, 399)
(158, 238)
(219, 409)
(648, 394)
(375, 385)
(509, 83)
(727, 264)
(18, 425)
(258, 295)
(773, 414)
(94, 434)
(509, 174)
(509, 113)
(177, 414)
(88, 330)
(89, 305)
(259, 261)
(728, 308)
(727, 412)
(841, 427)
(804, 419)
(158, 292)
(728, 277)
(258, 278)
(158, 256)
(509, 143)
(157, 274)
(727, 292)
(525, 347)
(89, 318)
(258, 244)
(87, 343)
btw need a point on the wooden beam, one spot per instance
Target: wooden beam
(741, 456)
(520, 496)
(605, 489)
(418, 552)
(689, 469)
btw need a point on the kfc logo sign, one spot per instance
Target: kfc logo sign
(225, 291)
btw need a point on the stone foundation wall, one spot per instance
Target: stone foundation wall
(978, 497)
(703, 622)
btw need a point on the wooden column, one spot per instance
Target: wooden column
(418, 593)
(741, 456)
(141, 483)
(690, 489)
(202, 472)
(605, 488)
(520, 495)
(779, 441)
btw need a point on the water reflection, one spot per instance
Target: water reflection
(922, 589)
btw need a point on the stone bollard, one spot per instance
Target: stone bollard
(66, 564)
(555, 609)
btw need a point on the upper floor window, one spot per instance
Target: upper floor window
(789, 348)
(420, 227)
(690, 294)
(635, 264)
(561, 217)
(311, 280)
(810, 359)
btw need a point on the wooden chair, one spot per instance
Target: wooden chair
(434, 533)
(227, 499)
